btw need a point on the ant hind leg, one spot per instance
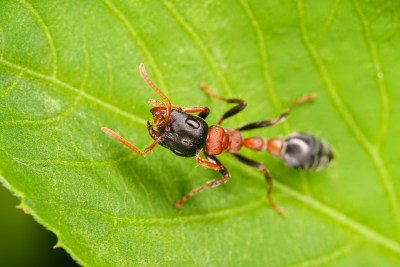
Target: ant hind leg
(280, 118)
(262, 168)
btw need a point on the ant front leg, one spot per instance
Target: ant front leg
(236, 109)
(280, 118)
(212, 163)
(262, 168)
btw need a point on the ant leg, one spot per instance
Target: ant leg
(203, 111)
(280, 118)
(262, 168)
(148, 81)
(241, 104)
(123, 141)
(212, 163)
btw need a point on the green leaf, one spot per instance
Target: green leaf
(67, 68)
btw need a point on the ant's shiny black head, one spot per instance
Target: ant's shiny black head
(186, 135)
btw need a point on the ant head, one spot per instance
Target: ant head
(186, 134)
(181, 132)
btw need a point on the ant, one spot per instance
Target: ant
(186, 134)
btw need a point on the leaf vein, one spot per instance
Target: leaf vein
(395, 23)
(85, 95)
(377, 12)
(12, 86)
(342, 219)
(48, 120)
(342, 109)
(46, 31)
(379, 75)
(266, 72)
(162, 220)
(138, 40)
(329, 21)
(339, 217)
(199, 43)
(328, 257)
(264, 62)
(69, 163)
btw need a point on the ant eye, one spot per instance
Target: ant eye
(193, 123)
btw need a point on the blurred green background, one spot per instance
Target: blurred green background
(23, 241)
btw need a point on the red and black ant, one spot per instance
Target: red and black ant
(185, 134)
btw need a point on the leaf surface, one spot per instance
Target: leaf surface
(69, 68)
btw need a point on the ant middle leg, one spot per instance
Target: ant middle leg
(212, 163)
(280, 118)
(241, 104)
(262, 168)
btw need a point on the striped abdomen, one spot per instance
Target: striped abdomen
(304, 151)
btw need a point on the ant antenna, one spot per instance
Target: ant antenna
(147, 80)
(122, 140)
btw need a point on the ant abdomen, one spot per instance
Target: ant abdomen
(305, 151)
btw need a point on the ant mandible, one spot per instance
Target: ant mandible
(185, 134)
